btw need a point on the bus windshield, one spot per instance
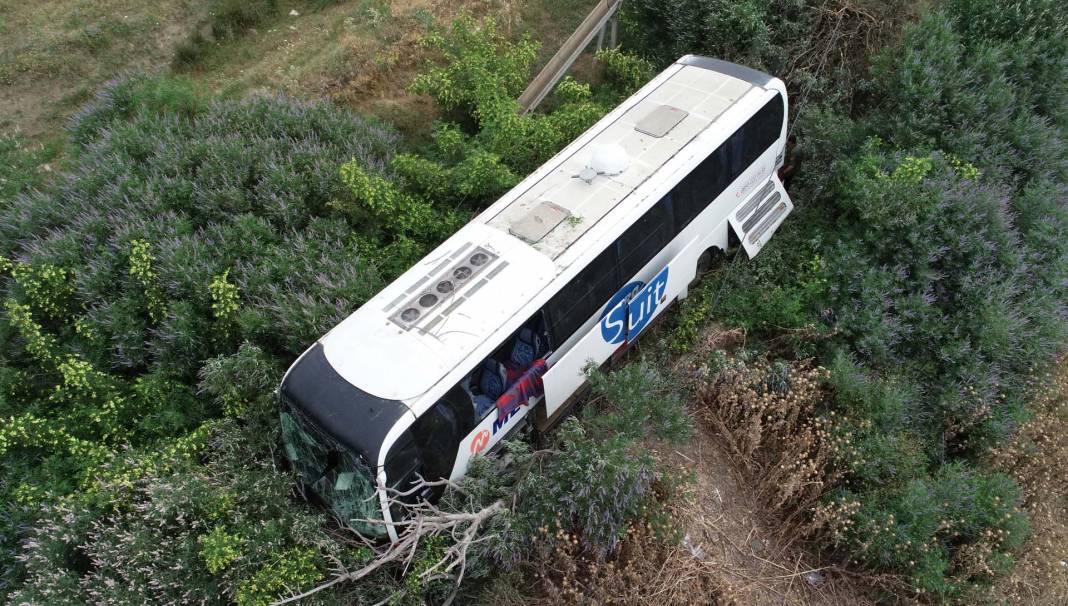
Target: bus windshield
(333, 472)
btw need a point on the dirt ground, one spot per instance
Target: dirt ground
(745, 552)
(55, 53)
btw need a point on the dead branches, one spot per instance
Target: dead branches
(844, 33)
(422, 520)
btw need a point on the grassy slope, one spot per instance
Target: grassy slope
(55, 53)
(362, 53)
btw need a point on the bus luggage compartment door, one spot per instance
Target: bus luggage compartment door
(755, 220)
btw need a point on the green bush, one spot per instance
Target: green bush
(955, 304)
(917, 263)
(954, 87)
(231, 18)
(122, 98)
(593, 487)
(226, 20)
(195, 535)
(753, 32)
(634, 400)
(182, 239)
(922, 526)
(599, 478)
(483, 73)
(19, 165)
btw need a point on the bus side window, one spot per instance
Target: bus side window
(703, 185)
(760, 132)
(439, 430)
(648, 236)
(584, 295)
(736, 160)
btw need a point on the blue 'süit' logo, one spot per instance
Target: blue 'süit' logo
(642, 308)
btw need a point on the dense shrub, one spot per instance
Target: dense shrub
(177, 231)
(961, 303)
(987, 96)
(187, 533)
(258, 210)
(594, 487)
(918, 267)
(483, 74)
(753, 32)
(598, 478)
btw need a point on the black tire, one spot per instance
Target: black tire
(704, 262)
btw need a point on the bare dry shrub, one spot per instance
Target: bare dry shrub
(645, 570)
(766, 414)
(845, 33)
(1038, 458)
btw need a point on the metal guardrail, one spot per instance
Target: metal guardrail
(562, 61)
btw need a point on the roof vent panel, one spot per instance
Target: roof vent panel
(537, 223)
(661, 120)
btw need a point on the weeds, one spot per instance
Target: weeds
(1038, 458)
(645, 570)
(227, 20)
(770, 415)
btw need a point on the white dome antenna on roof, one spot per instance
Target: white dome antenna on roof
(609, 160)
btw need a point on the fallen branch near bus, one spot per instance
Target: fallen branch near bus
(423, 521)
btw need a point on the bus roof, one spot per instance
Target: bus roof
(414, 332)
(557, 208)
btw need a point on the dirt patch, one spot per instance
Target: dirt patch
(748, 556)
(751, 555)
(56, 53)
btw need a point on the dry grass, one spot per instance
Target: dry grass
(364, 53)
(765, 414)
(55, 53)
(1038, 458)
(646, 570)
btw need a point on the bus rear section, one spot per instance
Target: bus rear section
(494, 329)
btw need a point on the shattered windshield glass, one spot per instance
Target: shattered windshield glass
(334, 472)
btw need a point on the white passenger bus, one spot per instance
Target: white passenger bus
(493, 329)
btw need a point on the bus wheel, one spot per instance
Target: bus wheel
(704, 262)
